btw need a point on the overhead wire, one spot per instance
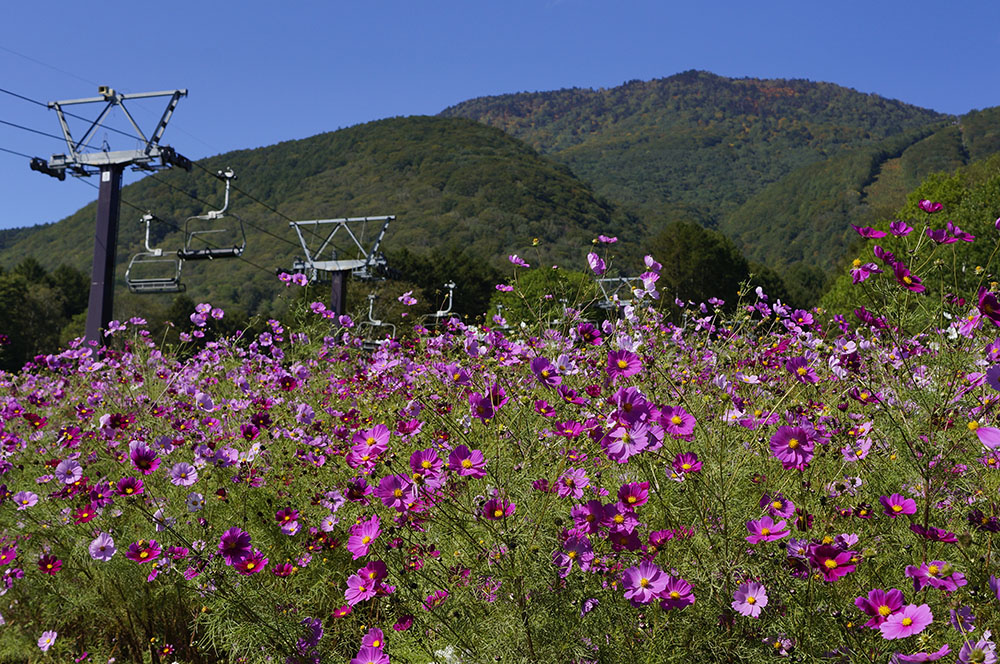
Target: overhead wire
(19, 154)
(61, 139)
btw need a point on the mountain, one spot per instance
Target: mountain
(451, 182)
(695, 140)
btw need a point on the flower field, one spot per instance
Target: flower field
(677, 481)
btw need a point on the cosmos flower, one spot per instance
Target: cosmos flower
(234, 545)
(880, 604)
(643, 583)
(183, 474)
(622, 364)
(46, 640)
(749, 599)
(765, 530)
(910, 620)
(897, 505)
(793, 447)
(251, 564)
(143, 552)
(676, 594)
(363, 534)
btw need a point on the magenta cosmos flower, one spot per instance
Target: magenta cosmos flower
(686, 462)
(467, 463)
(644, 583)
(897, 505)
(363, 534)
(234, 545)
(793, 447)
(677, 594)
(750, 599)
(142, 551)
(545, 372)
(910, 620)
(676, 421)
(46, 640)
(765, 530)
(498, 508)
(989, 305)
(907, 279)
(879, 605)
(622, 364)
(831, 562)
(801, 371)
(143, 457)
(252, 564)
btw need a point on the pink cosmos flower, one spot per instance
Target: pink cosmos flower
(596, 263)
(643, 583)
(936, 574)
(252, 564)
(868, 232)
(912, 619)
(545, 372)
(143, 552)
(750, 599)
(765, 530)
(395, 492)
(777, 505)
(899, 228)
(801, 371)
(929, 207)
(498, 508)
(900, 658)
(989, 305)
(517, 260)
(359, 589)
(686, 462)
(572, 483)
(46, 640)
(370, 655)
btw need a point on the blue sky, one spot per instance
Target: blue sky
(263, 72)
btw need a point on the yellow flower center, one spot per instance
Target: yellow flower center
(425, 464)
(674, 594)
(765, 531)
(776, 504)
(830, 563)
(676, 419)
(793, 443)
(498, 513)
(907, 622)
(897, 508)
(398, 493)
(369, 441)
(686, 466)
(751, 599)
(802, 371)
(973, 425)
(933, 570)
(907, 280)
(466, 463)
(622, 364)
(856, 263)
(251, 565)
(884, 610)
(571, 555)
(644, 583)
(144, 554)
(366, 539)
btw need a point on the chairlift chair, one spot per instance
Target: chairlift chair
(610, 289)
(441, 314)
(153, 261)
(203, 241)
(370, 327)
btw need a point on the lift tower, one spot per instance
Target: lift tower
(150, 156)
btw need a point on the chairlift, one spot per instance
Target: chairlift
(203, 240)
(371, 327)
(441, 314)
(147, 272)
(610, 289)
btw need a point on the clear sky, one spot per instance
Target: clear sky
(263, 72)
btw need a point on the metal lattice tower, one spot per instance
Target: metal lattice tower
(363, 263)
(110, 165)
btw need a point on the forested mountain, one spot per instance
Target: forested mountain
(694, 142)
(782, 167)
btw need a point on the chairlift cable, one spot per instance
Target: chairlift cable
(61, 139)
(15, 152)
